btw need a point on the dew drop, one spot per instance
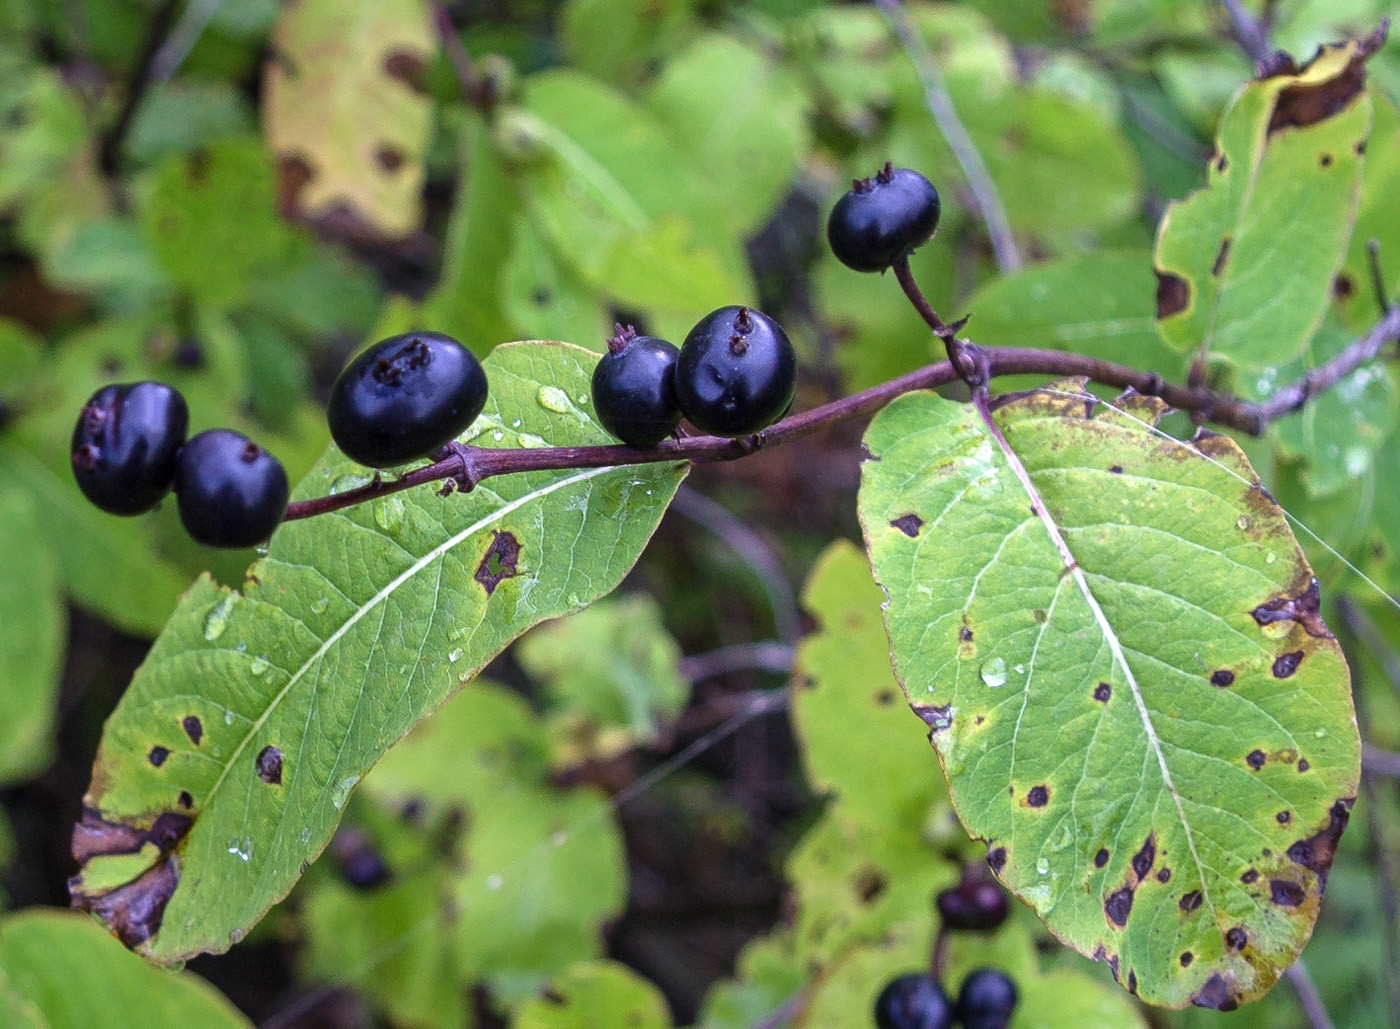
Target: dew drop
(218, 618)
(498, 435)
(994, 672)
(515, 424)
(455, 655)
(1042, 865)
(552, 398)
(342, 790)
(559, 838)
(345, 483)
(1063, 838)
(1241, 522)
(259, 665)
(243, 851)
(305, 835)
(236, 936)
(319, 605)
(1020, 669)
(495, 882)
(261, 551)
(1320, 733)
(1271, 558)
(388, 514)
(228, 717)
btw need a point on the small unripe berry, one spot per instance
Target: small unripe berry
(231, 492)
(737, 372)
(125, 443)
(634, 388)
(405, 397)
(883, 219)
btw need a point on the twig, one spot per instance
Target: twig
(183, 38)
(1373, 260)
(940, 105)
(469, 465)
(1381, 762)
(784, 1014)
(139, 81)
(763, 656)
(477, 89)
(750, 547)
(1308, 996)
(1248, 31)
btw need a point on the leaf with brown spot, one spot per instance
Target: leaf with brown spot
(1169, 566)
(343, 102)
(350, 630)
(1225, 285)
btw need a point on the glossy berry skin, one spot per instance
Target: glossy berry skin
(124, 445)
(883, 219)
(634, 389)
(986, 1000)
(976, 905)
(231, 492)
(405, 397)
(737, 372)
(913, 1001)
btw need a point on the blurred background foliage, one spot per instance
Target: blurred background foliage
(234, 195)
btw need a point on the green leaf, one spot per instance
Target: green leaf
(615, 40)
(858, 743)
(181, 116)
(211, 220)
(740, 116)
(354, 627)
(611, 677)
(1097, 304)
(1158, 744)
(32, 634)
(1288, 166)
(601, 993)
(71, 975)
(341, 101)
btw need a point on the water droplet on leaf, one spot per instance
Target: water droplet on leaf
(320, 604)
(994, 672)
(552, 398)
(342, 790)
(259, 665)
(219, 615)
(388, 514)
(455, 655)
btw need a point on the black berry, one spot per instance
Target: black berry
(634, 388)
(913, 1001)
(405, 397)
(883, 219)
(986, 999)
(973, 904)
(124, 445)
(361, 865)
(231, 492)
(737, 372)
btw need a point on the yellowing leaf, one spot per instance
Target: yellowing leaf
(343, 112)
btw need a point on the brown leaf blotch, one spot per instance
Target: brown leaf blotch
(1286, 894)
(935, 717)
(134, 911)
(157, 756)
(1144, 858)
(1173, 294)
(1190, 901)
(1038, 796)
(1217, 994)
(1222, 677)
(996, 858)
(1101, 858)
(1305, 609)
(269, 765)
(194, 729)
(1221, 257)
(499, 563)
(1286, 664)
(1250, 877)
(1102, 692)
(1118, 905)
(1186, 958)
(909, 524)
(1283, 817)
(1255, 759)
(1164, 875)
(1315, 853)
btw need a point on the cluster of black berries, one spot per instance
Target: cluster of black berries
(987, 996)
(401, 399)
(129, 449)
(734, 375)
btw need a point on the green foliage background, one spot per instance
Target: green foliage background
(308, 177)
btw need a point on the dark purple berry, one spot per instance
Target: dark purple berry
(634, 388)
(883, 219)
(913, 1001)
(125, 443)
(405, 397)
(231, 492)
(974, 904)
(986, 1000)
(361, 865)
(737, 372)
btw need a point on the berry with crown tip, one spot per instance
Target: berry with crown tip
(883, 219)
(231, 492)
(405, 397)
(737, 372)
(977, 905)
(125, 443)
(986, 1000)
(913, 1001)
(634, 388)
